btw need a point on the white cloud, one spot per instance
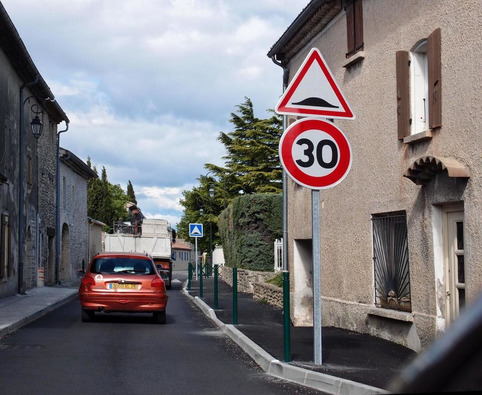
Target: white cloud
(149, 85)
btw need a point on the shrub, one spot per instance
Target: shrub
(248, 228)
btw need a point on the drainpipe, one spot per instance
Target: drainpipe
(57, 204)
(286, 274)
(21, 189)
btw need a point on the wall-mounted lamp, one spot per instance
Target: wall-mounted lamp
(36, 123)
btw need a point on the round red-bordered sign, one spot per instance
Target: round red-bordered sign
(315, 153)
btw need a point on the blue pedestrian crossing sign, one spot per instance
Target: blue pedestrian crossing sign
(195, 230)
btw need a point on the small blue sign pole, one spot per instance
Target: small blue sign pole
(195, 243)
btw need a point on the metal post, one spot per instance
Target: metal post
(316, 237)
(210, 246)
(196, 257)
(235, 296)
(286, 316)
(286, 274)
(201, 294)
(189, 275)
(58, 231)
(216, 286)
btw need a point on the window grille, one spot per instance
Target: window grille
(390, 256)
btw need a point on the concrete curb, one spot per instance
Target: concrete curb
(274, 367)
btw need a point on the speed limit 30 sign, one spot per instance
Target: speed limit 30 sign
(315, 153)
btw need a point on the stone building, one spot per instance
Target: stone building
(74, 174)
(27, 166)
(400, 235)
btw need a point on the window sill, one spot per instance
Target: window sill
(391, 314)
(354, 59)
(415, 138)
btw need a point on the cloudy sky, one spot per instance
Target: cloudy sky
(149, 84)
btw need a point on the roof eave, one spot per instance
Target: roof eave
(314, 18)
(16, 52)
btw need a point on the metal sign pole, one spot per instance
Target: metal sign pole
(195, 244)
(316, 237)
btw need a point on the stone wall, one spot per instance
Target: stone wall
(268, 293)
(246, 278)
(254, 282)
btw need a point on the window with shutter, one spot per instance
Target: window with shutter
(419, 87)
(354, 26)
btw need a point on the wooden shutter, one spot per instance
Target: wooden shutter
(434, 79)
(358, 25)
(354, 26)
(350, 28)
(403, 93)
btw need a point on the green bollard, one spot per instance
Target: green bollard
(201, 283)
(189, 276)
(286, 315)
(235, 296)
(215, 286)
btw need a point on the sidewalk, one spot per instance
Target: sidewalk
(351, 362)
(19, 310)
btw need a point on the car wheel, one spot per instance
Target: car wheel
(87, 315)
(159, 317)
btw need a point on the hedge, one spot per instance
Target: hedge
(248, 228)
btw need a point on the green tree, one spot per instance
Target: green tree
(130, 193)
(252, 160)
(251, 166)
(118, 203)
(200, 207)
(105, 201)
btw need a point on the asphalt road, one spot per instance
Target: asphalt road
(128, 354)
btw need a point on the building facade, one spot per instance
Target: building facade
(182, 255)
(74, 174)
(27, 167)
(400, 235)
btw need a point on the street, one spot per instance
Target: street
(130, 354)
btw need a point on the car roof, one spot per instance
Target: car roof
(122, 254)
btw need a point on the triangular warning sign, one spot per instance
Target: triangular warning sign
(314, 91)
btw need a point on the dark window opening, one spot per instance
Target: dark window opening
(390, 256)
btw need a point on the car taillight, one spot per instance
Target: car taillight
(157, 283)
(87, 282)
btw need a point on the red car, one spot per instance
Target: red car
(122, 282)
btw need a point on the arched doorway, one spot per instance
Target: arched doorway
(65, 268)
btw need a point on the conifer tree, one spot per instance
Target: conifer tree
(130, 193)
(252, 165)
(252, 161)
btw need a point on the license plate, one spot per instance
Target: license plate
(122, 286)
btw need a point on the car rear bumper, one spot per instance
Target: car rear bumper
(122, 302)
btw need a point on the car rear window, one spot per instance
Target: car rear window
(122, 266)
